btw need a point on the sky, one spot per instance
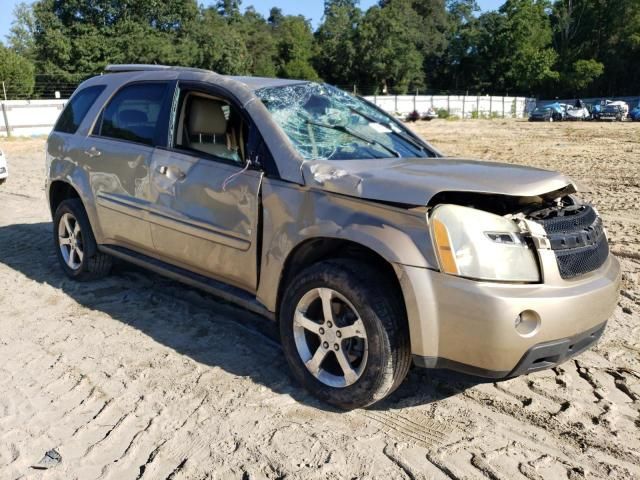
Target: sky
(311, 9)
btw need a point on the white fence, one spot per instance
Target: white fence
(37, 117)
(464, 106)
(29, 117)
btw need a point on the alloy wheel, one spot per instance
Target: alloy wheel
(330, 337)
(70, 241)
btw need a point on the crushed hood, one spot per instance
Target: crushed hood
(415, 181)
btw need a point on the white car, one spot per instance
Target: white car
(623, 105)
(4, 170)
(577, 112)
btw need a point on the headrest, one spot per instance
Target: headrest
(206, 116)
(128, 117)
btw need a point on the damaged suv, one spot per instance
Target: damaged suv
(371, 249)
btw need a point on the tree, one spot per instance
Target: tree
(605, 32)
(260, 44)
(17, 73)
(336, 39)
(76, 39)
(294, 45)
(390, 60)
(20, 36)
(275, 17)
(457, 67)
(220, 46)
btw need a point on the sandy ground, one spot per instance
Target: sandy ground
(136, 376)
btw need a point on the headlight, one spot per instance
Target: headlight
(476, 244)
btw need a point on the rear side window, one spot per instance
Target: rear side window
(77, 108)
(133, 113)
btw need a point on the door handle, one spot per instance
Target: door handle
(174, 172)
(93, 152)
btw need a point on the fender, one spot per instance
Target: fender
(61, 168)
(294, 214)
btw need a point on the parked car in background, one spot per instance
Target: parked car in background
(413, 116)
(612, 112)
(635, 113)
(4, 168)
(553, 112)
(624, 106)
(429, 114)
(578, 111)
(371, 249)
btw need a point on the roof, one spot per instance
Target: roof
(254, 83)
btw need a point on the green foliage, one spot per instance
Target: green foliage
(584, 73)
(443, 113)
(17, 73)
(337, 49)
(294, 45)
(389, 53)
(528, 47)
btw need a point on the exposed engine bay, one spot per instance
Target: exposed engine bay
(573, 230)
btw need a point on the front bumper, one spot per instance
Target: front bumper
(469, 326)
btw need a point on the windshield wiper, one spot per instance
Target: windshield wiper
(389, 126)
(347, 130)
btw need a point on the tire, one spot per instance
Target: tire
(79, 258)
(377, 349)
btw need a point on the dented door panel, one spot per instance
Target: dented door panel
(118, 173)
(198, 221)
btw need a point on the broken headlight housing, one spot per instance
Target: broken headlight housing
(480, 245)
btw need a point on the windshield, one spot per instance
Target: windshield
(541, 109)
(326, 123)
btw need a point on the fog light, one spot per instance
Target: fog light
(527, 323)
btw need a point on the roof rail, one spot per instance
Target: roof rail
(141, 67)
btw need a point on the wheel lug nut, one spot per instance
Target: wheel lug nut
(336, 347)
(321, 331)
(325, 345)
(329, 324)
(338, 334)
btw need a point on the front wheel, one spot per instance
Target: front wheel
(344, 333)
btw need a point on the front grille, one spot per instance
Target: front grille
(584, 217)
(578, 241)
(578, 261)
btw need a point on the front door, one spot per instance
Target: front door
(205, 196)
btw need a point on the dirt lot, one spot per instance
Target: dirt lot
(137, 376)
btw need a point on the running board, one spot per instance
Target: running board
(219, 289)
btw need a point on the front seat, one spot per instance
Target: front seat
(207, 128)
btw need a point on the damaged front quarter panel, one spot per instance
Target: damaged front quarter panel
(294, 214)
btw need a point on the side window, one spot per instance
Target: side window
(77, 108)
(210, 125)
(133, 113)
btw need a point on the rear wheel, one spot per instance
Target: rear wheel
(75, 244)
(344, 333)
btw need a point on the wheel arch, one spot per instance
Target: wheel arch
(317, 249)
(59, 191)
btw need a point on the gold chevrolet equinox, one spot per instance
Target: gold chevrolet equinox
(316, 209)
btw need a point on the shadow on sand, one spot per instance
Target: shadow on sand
(28, 248)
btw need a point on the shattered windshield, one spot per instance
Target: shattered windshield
(326, 123)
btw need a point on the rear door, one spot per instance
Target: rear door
(205, 194)
(118, 154)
